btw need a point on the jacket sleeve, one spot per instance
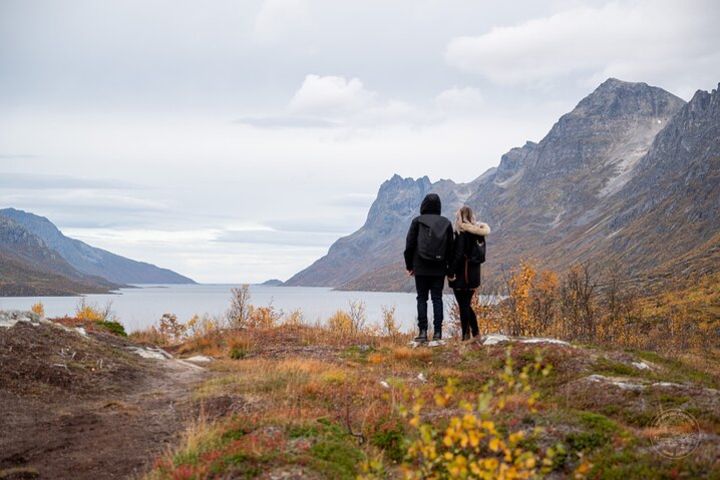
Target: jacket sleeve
(411, 244)
(458, 257)
(450, 253)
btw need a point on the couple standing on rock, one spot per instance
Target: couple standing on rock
(434, 249)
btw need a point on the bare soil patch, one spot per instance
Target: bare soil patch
(85, 407)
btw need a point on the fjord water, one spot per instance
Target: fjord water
(140, 307)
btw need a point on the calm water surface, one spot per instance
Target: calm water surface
(141, 307)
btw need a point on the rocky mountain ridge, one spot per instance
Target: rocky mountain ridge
(587, 192)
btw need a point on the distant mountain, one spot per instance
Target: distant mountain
(381, 240)
(273, 282)
(629, 178)
(90, 260)
(29, 268)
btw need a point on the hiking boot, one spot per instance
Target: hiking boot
(465, 336)
(422, 338)
(437, 334)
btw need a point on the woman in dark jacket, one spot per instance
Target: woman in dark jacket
(469, 253)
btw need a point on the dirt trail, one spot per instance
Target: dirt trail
(114, 435)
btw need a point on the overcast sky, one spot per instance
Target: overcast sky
(236, 140)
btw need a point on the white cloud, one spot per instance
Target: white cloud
(637, 41)
(278, 18)
(459, 99)
(331, 95)
(341, 101)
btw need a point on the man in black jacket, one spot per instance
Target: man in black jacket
(428, 252)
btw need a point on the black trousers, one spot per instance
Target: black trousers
(432, 284)
(468, 319)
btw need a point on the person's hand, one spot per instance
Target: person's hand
(411, 273)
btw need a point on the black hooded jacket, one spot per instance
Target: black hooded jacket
(468, 254)
(429, 215)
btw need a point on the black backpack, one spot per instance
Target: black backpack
(432, 237)
(476, 253)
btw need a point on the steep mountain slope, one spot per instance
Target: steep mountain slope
(665, 220)
(629, 178)
(90, 260)
(673, 202)
(28, 267)
(551, 199)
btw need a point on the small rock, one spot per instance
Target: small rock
(621, 383)
(421, 377)
(494, 339)
(8, 318)
(543, 340)
(154, 353)
(667, 385)
(641, 365)
(200, 359)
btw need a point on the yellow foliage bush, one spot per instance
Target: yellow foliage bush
(472, 444)
(199, 326)
(577, 307)
(92, 313)
(340, 323)
(38, 309)
(520, 320)
(263, 317)
(390, 326)
(295, 318)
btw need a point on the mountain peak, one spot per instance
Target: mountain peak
(396, 181)
(613, 83)
(617, 98)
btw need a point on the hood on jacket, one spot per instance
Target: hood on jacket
(431, 204)
(480, 229)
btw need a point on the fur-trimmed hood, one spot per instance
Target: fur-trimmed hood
(480, 229)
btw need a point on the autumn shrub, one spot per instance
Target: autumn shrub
(544, 308)
(239, 347)
(390, 327)
(357, 312)
(239, 311)
(38, 309)
(262, 317)
(149, 336)
(171, 328)
(340, 323)
(578, 304)
(114, 327)
(516, 309)
(199, 326)
(93, 316)
(93, 312)
(295, 318)
(474, 442)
